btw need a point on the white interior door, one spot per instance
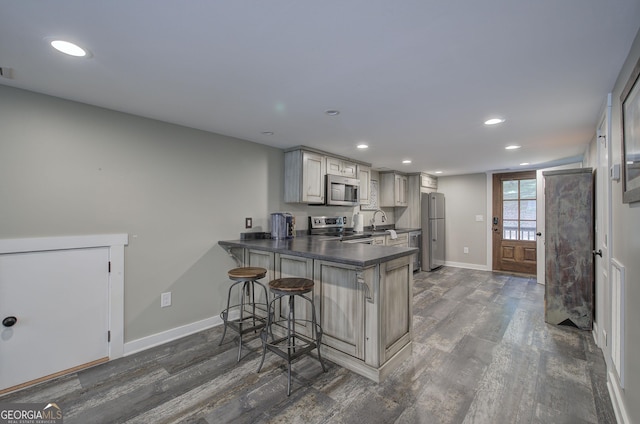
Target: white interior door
(603, 204)
(60, 299)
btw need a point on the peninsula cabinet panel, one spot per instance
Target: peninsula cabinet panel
(341, 307)
(396, 289)
(265, 260)
(295, 266)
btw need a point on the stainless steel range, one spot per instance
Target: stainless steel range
(334, 228)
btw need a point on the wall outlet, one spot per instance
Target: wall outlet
(248, 222)
(466, 250)
(165, 299)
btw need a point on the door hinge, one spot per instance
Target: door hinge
(109, 266)
(108, 336)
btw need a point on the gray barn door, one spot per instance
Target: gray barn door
(569, 247)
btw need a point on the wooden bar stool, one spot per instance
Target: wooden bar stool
(245, 319)
(293, 344)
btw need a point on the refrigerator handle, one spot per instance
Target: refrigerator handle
(434, 230)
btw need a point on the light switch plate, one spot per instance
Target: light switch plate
(165, 299)
(248, 222)
(479, 218)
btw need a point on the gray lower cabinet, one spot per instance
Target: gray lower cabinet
(341, 299)
(365, 313)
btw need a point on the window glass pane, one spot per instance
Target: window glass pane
(528, 209)
(510, 230)
(510, 209)
(527, 189)
(527, 230)
(510, 190)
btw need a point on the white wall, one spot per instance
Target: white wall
(625, 248)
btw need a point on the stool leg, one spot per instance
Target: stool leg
(317, 330)
(291, 339)
(265, 333)
(243, 293)
(225, 314)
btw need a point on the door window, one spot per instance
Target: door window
(519, 209)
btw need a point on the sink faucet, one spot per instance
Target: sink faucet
(373, 219)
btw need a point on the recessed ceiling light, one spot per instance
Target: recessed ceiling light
(69, 48)
(494, 121)
(438, 172)
(406, 161)
(512, 147)
(524, 163)
(267, 133)
(362, 146)
(332, 112)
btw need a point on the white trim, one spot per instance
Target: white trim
(489, 263)
(163, 337)
(622, 417)
(478, 267)
(60, 243)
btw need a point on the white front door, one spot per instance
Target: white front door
(60, 299)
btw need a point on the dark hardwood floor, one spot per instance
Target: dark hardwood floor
(481, 354)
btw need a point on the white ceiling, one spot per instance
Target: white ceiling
(415, 79)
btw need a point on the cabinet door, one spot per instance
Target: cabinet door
(313, 172)
(341, 306)
(401, 190)
(378, 241)
(428, 181)
(364, 174)
(396, 287)
(295, 266)
(349, 169)
(264, 260)
(401, 241)
(334, 166)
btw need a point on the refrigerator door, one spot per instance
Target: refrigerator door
(437, 243)
(436, 205)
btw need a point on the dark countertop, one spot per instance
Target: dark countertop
(361, 255)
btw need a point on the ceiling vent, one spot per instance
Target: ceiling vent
(6, 72)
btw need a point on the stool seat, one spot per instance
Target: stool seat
(244, 317)
(247, 273)
(291, 286)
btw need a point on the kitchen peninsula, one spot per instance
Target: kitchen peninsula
(362, 294)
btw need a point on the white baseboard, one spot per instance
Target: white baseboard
(616, 399)
(148, 342)
(477, 267)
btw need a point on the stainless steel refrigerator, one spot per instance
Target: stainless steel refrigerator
(432, 217)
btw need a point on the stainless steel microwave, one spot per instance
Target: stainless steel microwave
(342, 191)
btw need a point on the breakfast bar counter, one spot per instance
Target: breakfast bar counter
(363, 294)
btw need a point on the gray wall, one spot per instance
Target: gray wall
(71, 169)
(465, 197)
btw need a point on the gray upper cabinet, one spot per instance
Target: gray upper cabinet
(427, 181)
(304, 174)
(364, 174)
(336, 166)
(394, 189)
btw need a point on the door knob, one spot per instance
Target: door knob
(539, 234)
(598, 252)
(9, 321)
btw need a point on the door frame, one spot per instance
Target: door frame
(115, 243)
(491, 207)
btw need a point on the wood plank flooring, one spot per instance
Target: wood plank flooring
(481, 354)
